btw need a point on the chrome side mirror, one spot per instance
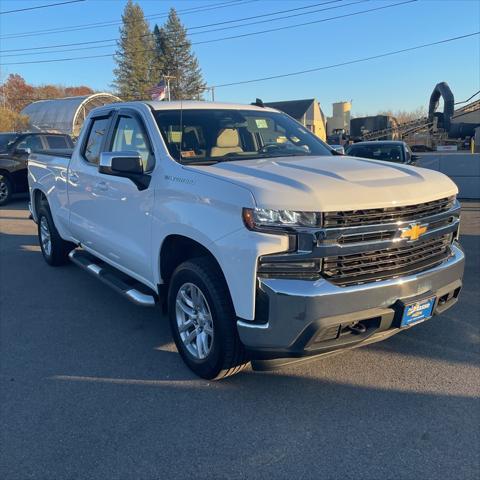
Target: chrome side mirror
(123, 163)
(126, 164)
(23, 152)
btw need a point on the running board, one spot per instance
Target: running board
(115, 279)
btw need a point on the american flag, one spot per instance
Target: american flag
(159, 91)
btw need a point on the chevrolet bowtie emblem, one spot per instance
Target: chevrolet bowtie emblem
(414, 231)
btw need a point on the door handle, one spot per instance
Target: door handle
(73, 177)
(102, 186)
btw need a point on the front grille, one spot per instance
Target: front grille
(354, 218)
(375, 265)
(381, 235)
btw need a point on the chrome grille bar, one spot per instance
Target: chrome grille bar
(386, 215)
(381, 264)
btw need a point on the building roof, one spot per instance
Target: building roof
(65, 115)
(294, 108)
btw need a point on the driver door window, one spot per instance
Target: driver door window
(129, 136)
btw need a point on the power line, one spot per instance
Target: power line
(188, 29)
(222, 38)
(325, 67)
(194, 33)
(307, 23)
(468, 99)
(350, 62)
(41, 6)
(88, 26)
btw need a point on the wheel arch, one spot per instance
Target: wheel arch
(39, 198)
(176, 249)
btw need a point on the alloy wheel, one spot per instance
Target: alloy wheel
(3, 190)
(194, 321)
(45, 236)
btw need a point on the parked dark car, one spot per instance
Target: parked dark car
(386, 150)
(14, 151)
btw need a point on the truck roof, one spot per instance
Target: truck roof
(189, 104)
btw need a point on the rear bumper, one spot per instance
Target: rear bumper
(299, 318)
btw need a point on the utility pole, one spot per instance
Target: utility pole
(212, 92)
(4, 94)
(168, 78)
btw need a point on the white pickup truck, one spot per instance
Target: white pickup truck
(261, 242)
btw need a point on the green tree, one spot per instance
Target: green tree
(177, 59)
(136, 70)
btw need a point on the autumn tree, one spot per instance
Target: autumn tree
(135, 73)
(175, 50)
(11, 121)
(77, 91)
(46, 92)
(16, 93)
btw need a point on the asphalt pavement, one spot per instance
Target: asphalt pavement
(91, 387)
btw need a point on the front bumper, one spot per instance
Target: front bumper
(299, 317)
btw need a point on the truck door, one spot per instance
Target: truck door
(109, 214)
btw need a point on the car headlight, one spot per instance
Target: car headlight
(266, 218)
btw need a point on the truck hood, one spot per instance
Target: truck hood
(327, 183)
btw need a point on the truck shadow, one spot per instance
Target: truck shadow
(248, 428)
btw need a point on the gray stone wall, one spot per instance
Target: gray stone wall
(462, 168)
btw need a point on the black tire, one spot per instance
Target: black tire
(6, 189)
(227, 354)
(59, 249)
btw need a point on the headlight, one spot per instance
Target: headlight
(265, 218)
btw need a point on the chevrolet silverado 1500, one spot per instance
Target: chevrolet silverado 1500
(258, 239)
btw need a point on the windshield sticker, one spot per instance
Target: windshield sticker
(261, 123)
(188, 153)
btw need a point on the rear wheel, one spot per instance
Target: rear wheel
(202, 319)
(55, 250)
(6, 189)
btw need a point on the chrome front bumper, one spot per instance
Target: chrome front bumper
(297, 313)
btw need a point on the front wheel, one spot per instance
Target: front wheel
(202, 320)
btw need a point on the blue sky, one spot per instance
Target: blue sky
(403, 81)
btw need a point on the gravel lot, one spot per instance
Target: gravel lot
(91, 387)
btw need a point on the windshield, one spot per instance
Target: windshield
(386, 152)
(210, 136)
(6, 139)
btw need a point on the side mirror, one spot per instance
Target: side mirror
(22, 152)
(414, 159)
(124, 164)
(120, 163)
